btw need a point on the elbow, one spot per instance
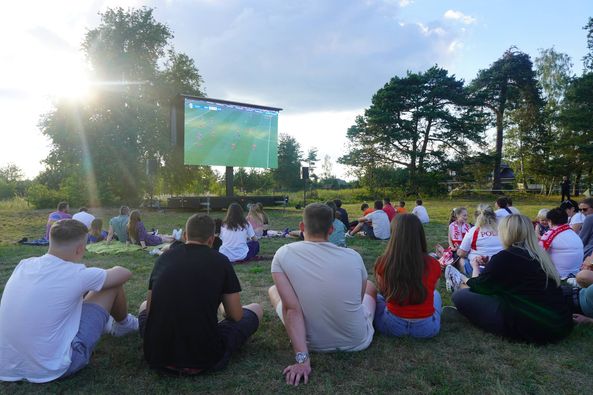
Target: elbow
(125, 273)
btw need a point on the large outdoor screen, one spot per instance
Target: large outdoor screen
(219, 133)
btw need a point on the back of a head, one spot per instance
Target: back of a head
(402, 203)
(132, 225)
(338, 203)
(364, 206)
(419, 202)
(568, 204)
(124, 210)
(332, 205)
(557, 216)
(542, 214)
(96, 225)
(404, 260)
(502, 202)
(378, 205)
(318, 219)
(83, 210)
(235, 218)
(199, 227)
(62, 206)
(386, 200)
(517, 231)
(486, 217)
(67, 233)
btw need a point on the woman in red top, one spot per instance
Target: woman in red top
(408, 304)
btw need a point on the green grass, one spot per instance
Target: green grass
(461, 359)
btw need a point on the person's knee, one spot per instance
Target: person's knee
(459, 296)
(584, 278)
(142, 307)
(257, 309)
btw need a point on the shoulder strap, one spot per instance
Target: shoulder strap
(508, 210)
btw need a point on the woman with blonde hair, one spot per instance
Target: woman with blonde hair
(518, 295)
(258, 219)
(96, 232)
(482, 239)
(408, 303)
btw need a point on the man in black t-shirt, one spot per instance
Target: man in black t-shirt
(179, 319)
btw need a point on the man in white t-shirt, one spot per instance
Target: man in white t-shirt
(84, 216)
(47, 329)
(321, 294)
(376, 225)
(420, 212)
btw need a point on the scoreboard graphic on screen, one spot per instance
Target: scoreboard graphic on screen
(221, 133)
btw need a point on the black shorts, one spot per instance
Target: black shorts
(234, 334)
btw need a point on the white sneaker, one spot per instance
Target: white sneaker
(348, 234)
(108, 325)
(572, 281)
(129, 325)
(453, 278)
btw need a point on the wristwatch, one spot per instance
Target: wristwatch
(301, 357)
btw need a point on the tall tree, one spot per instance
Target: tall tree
(412, 120)
(509, 83)
(104, 142)
(287, 175)
(588, 58)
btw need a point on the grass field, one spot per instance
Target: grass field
(221, 135)
(461, 359)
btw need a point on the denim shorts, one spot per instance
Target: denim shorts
(391, 325)
(92, 321)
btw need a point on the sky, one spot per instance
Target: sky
(319, 60)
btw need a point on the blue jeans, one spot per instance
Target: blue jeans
(391, 325)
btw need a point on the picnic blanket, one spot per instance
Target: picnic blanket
(115, 247)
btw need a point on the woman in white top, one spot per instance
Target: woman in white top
(563, 244)
(482, 239)
(575, 217)
(239, 242)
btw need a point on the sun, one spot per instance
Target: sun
(69, 80)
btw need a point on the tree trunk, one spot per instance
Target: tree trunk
(577, 181)
(496, 184)
(424, 146)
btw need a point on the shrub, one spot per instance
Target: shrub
(7, 190)
(41, 196)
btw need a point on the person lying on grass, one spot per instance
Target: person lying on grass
(54, 309)
(179, 317)
(321, 294)
(518, 294)
(408, 303)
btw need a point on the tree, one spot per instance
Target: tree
(509, 83)
(287, 175)
(312, 160)
(11, 173)
(107, 140)
(411, 121)
(588, 58)
(327, 168)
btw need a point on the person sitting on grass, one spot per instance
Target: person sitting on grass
(96, 232)
(586, 233)
(388, 208)
(420, 212)
(54, 309)
(239, 242)
(375, 224)
(541, 223)
(563, 244)
(60, 213)
(502, 207)
(481, 240)
(118, 226)
(457, 228)
(179, 320)
(401, 208)
(343, 213)
(338, 235)
(518, 295)
(321, 294)
(137, 233)
(84, 216)
(408, 303)
(258, 219)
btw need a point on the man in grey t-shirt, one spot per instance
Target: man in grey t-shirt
(321, 294)
(119, 225)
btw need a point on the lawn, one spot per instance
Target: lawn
(461, 359)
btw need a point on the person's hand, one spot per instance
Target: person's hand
(477, 261)
(295, 372)
(581, 319)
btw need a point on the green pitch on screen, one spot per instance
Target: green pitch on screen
(229, 135)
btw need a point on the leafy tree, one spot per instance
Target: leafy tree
(11, 173)
(509, 83)
(327, 168)
(588, 58)
(312, 160)
(287, 175)
(411, 121)
(106, 140)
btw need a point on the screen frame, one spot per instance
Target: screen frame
(177, 118)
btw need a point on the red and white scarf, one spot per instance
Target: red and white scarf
(549, 236)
